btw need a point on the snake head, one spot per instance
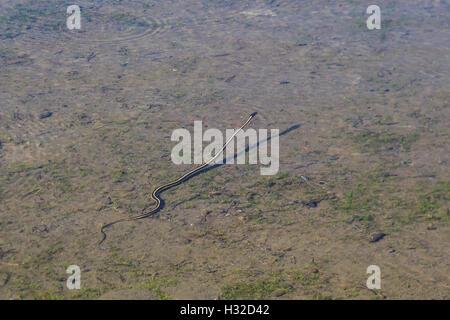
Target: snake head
(253, 114)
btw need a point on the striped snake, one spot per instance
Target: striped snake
(167, 186)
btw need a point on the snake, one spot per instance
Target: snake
(158, 190)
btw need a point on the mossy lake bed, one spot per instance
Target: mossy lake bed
(85, 126)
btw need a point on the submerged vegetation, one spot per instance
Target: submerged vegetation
(85, 136)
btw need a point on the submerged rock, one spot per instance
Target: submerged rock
(377, 236)
(45, 114)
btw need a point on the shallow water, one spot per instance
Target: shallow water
(365, 115)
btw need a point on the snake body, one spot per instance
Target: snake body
(158, 190)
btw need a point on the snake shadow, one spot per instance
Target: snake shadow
(247, 149)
